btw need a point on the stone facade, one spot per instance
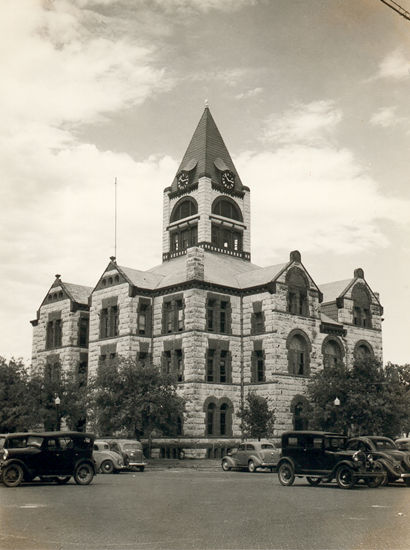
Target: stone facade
(225, 325)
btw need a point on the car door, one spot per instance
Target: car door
(50, 457)
(240, 456)
(313, 459)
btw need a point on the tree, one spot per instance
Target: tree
(257, 419)
(16, 401)
(136, 400)
(373, 399)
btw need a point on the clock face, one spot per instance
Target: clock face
(228, 179)
(182, 179)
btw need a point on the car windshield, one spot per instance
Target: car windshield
(384, 444)
(335, 443)
(267, 446)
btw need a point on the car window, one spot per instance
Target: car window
(34, 441)
(317, 442)
(66, 443)
(382, 444)
(292, 442)
(352, 446)
(267, 446)
(83, 443)
(51, 444)
(17, 442)
(241, 448)
(335, 443)
(250, 447)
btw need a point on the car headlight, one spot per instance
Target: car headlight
(370, 458)
(5, 454)
(359, 456)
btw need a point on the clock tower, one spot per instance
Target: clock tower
(207, 205)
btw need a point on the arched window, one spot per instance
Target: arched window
(361, 306)
(218, 417)
(226, 208)
(210, 419)
(297, 296)
(298, 353)
(299, 408)
(363, 351)
(332, 352)
(183, 209)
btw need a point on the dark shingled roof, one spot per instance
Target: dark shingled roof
(205, 147)
(78, 293)
(333, 290)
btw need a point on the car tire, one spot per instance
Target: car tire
(84, 474)
(382, 479)
(344, 477)
(225, 466)
(286, 474)
(314, 481)
(12, 475)
(107, 467)
(141, 468)
(62, 480)
(252, 467)
(407, 481)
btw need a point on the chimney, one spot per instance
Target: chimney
(195, 264)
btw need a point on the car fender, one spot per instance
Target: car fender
(389, 466)
(256, 459)
(284, 459)
(88, 461)
(345, 462)
(16, 461)
(230, 461)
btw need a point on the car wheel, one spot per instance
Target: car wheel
(61, 480)
(345, 477)
(142, 468)
(83, 474)
(314, 481)
(12, 475)
(381, 479)
(225, 466)
(251, 466)
(107, 467)
(286, 474)
(407, 481)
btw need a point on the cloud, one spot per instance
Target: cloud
(303, 123)
(310, 194)
(249, 93)
(386, 117)
(394, 66)
(204, 6)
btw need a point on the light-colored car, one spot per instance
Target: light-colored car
(252, 455)
(107, 461)
(131, 451)
(403, 443)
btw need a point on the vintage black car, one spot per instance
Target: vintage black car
(322, 456)
(396, 462)
(52, 456)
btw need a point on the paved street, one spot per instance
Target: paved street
(185, 508)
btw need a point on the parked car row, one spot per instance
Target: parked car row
(324, 457)
(58, 456)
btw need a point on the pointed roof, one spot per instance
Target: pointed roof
(207, 154)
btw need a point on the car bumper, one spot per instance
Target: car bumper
(267, 465)
(133, 463)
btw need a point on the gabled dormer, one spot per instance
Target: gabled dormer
(207, 205)
(352, 302)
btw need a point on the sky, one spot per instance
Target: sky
(311, 98)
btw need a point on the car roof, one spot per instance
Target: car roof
(372, 437)
(51, 434)
(311, 432)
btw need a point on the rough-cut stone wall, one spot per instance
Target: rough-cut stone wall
(69, 351)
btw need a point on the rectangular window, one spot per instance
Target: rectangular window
(142, 319)
(82, 373)
(167, 362)
(179, 365)
(218, 314)
(109, 321)
(222, 422)
(222, 367)
(260, 366)
(300, 362)
(54, 334)
(210, 366)
(172, 315)
(83, 332)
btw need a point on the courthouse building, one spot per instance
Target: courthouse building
(222, 324)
